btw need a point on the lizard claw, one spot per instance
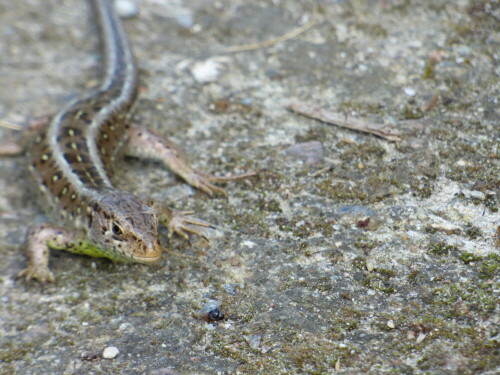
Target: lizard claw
(202, 182)
(42, 274)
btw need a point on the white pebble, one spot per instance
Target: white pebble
(409, 91)
(206, 71)
(126, 8)
(110, 352)
(184, 20)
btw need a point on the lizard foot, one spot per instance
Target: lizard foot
(202, 181)
(180, 223)
(40, 273)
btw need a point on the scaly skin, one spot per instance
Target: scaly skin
(72, 160)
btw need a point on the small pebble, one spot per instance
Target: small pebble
(390, 324)
(409, 91)
(126, 8)
(206, 71)
(185, 20)
(110, 352)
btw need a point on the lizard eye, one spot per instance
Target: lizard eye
(115, 227)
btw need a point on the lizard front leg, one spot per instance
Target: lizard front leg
(144, 143)
(39, 239)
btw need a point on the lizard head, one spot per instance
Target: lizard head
(124, 228)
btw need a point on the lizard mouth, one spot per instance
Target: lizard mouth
(152, 254)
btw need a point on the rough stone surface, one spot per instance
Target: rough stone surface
(336, 266)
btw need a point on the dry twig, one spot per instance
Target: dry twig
(268, 43)
(8, 125)
(339, 119)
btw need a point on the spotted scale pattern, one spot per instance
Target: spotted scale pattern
(72, 159)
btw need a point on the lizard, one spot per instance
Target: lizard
(71, 160)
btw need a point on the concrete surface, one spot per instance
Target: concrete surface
(348, 255)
